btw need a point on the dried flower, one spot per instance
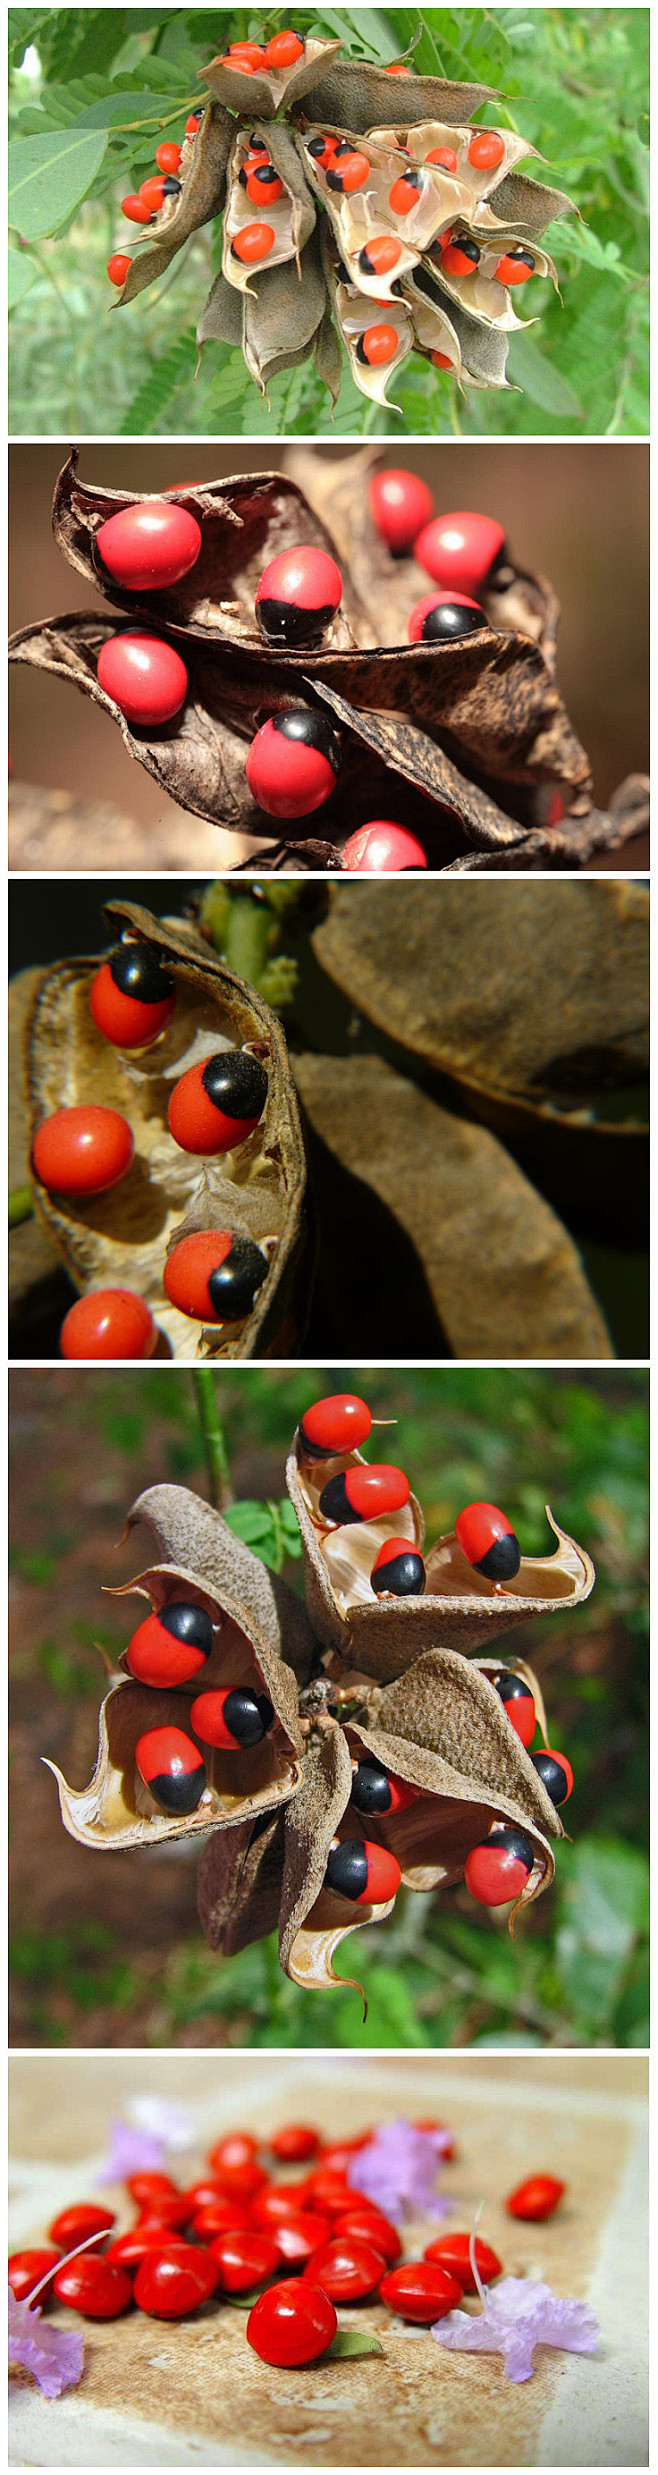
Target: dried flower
(54, 2356)
(518, 2315)
(398, 2168)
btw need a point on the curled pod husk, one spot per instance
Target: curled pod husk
(253, 1615)
(313, 1921)
(291, 219)
(203, 172)
(265, 93)
(239, 1884)
(532, 1005)
(514, 600)
(258, 1191)
(246, 520)
(383, 1636)
(471, 1258)
(425, 711)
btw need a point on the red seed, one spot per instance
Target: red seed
(536, 2198)
(175, 2280)
(420, 2291)
(452, 2252)
(99, 2289)
(26, 2269)
(292, 2323)
(109, 1323)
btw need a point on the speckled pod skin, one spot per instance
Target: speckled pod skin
(111, 1240)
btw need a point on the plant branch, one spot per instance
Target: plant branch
(212, 1436)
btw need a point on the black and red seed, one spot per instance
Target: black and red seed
(398, 1570)
(172, 1767)
(488, 1541)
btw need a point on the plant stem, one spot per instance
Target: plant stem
(212, 1436)
(20, 1206)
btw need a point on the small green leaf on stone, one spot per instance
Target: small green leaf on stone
(352, 2342)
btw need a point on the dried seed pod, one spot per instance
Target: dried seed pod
(254, 1615)
(313, 1920)
(245, 521)
(473, 1253)
(268, 90)
(576, 956)
(458, 1607)
(124, 1236)
(290, 220)
(239, 1884)
(203, 172)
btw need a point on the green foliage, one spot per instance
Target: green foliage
(575, 81)
(269, 1529)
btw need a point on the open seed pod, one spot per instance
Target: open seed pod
(246, 520)
(384, 1636)
(202, 175)
(470, 738)
(239, 1884)
(255, 1618)
(313, 1920)
(122, 1237)
(320, 94)
(536, 1007)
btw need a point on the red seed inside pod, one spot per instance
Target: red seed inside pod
(348, 172)
(486, 150)
(499, 1868)
(168, 156)
(284, 50)
(254, 242)
(218, 1103)
(379, 255)
(294, 762)
(109, 1323)
(132, 998)
(377, 346)
(363, 1872)
(338, 1424)
(515, 268)
(442, 618)
(171, 1645)
(135, 210)
(233, 1719)
(263, 185)
(444, 156)
(460, 550)
(214, 1276)
(117, 268)
(555, 1773)
(365, 1493)
(172, 1767)
(376, 1791)
(382, 849)
(150, 545)
(460, 257)
(298, 595)
(488, 1541)
(144, 676)
(82, 1151)
(406, 191)
(400, 504)
(152, 192)
(398, 1570)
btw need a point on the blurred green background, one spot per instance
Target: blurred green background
(106, 1950)
(573, 81)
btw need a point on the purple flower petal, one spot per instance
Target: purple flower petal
(54, 2356)
(398, 2169)
(165, 2121)
(130, 2152)
(518, 2315)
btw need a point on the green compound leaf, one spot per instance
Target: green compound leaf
(48, 176)
(21, 272)
(539, 379)
(352, 2342)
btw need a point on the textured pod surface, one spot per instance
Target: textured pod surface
(499, 1272)
(203, 172)
(542, 997)
(246, 521)
(313, 1921)
(266, 93)
(123, 1237)
(239, 1884)
(383, 1637)
(255, 1618)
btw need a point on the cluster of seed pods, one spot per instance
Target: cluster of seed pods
(297, 2246)
(498, 1867)
(294, 761)
(411, 236)
(212, 1276)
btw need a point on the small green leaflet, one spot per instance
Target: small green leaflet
(21, 272)
(48, 176)
(352, 2342)
(543, 383)
(244, 2303)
